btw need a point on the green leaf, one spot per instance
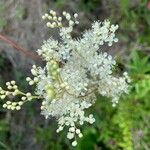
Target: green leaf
(139, 63)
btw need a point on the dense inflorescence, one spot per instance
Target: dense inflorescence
(76, 70)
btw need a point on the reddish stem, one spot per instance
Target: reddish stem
(19, 48)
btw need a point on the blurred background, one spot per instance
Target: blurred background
(126, 127)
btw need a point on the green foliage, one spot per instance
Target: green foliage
(3, 21)
(86, 5)
(91, 135)
(139, 68)
(49, 139)
(21, 12)
(124, 6)
(2, 61)
(20, 76)
(4, 130)
(90, 5)
(139, 63)
(134, 20)
(60, 3)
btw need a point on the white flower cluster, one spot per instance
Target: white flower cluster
(76, 69)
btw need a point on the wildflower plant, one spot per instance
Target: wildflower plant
(76, 71)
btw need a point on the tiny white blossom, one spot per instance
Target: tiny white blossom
(74, 143)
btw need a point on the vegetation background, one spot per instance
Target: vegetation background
(126, 127)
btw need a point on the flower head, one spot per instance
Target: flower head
(75, 70)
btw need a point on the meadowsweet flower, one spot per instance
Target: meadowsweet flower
(75, 70)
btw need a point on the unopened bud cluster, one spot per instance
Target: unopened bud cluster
(75, 71)
(12, 90)
(56, 21)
